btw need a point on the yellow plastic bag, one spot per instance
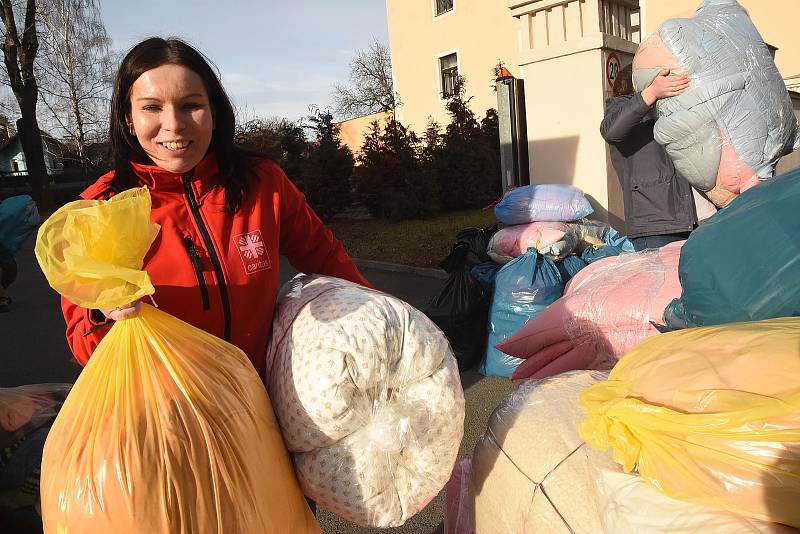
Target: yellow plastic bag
(91, 251)
(709, 415)
(168, 429)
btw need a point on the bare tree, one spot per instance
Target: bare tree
(19, 56)
(370, 89)
(76, 70)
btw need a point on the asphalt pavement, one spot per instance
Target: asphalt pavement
(33, 350)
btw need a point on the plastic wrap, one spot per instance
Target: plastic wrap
(629, 505)
(26, 413)
(531, 471)
(544, 202)
(459, 512)
(607, 309)
(369, 399)
(727, 131)
(19, 217)
(709, 415)
(523, 288)
(743, 264)
(552, 239)
(168, 428)
(596, 233)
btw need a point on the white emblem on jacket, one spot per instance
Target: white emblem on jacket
(253, 251)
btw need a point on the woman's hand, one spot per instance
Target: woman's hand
(120, 313)
(664, 86)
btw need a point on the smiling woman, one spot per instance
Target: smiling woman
(225, 215)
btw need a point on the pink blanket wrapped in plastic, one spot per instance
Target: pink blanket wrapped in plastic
(552, 239)
(605, 311)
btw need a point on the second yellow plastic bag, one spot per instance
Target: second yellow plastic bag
(168, 429)
(709, 415)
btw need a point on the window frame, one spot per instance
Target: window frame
(437, 14)
(440, 70)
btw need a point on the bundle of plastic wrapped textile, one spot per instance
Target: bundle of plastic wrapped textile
(536, 217)
(726, 132)
(744, 263)
(607, 309)
(168, 428)
(368, 396)
(709, 415)
(532, 472)
(26, 413)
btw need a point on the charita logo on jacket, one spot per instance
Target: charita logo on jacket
(252, 251)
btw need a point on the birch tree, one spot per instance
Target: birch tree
(76, 70)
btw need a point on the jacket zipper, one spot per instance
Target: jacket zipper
(198, 270)
(212, 253)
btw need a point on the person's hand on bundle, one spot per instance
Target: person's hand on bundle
(665, 86)
(120, 313)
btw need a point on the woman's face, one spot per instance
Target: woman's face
(171, 117)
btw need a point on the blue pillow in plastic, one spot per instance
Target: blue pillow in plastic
(545, 202)
(523, 288)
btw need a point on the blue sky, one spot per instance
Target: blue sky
(276, 57)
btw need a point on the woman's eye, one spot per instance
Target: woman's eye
(193, 105)
(151, 108)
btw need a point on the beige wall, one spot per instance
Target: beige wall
(480, 31)
(352, 132)
(778, 21)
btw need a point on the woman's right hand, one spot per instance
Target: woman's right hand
(120, 313)
(665, 86)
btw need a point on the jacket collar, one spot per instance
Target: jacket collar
(204, 177)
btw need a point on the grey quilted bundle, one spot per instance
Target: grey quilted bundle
(728, 130)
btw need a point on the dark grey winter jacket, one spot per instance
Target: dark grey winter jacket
(657, 200)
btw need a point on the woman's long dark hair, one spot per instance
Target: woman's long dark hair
(150, 54)
(623, 84)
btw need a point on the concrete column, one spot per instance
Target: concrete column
(569, 51)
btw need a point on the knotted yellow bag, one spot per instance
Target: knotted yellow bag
(168, 429)
(709, 415)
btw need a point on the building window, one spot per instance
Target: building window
(448, 66)
(443, 6)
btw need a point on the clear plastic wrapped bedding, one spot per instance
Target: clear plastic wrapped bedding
(26, 414)
(531, 471)
(542, 202)
(726, 132)
(368, 396)
(607, 308)
(555, 240)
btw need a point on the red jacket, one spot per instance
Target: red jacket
(215, 270)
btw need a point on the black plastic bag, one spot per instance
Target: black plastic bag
(461, 309)
(474, 241)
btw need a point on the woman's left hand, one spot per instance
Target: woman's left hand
(120, 313)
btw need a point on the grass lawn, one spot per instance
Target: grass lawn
(421, 242)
